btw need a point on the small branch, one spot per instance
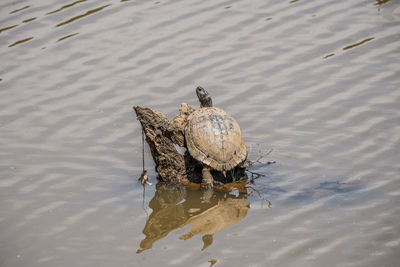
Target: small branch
(259, 195)
(262, 156)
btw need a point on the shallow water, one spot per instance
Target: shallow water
(315, 81)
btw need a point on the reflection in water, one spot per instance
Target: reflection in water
(28, 20)
(66, 6)
(381, 2)
(212, 262)
(210, 212)
(330, 55)
(8, 28)
(359, 43)
(90, 12)
(68, 36)
(21, 41)
(66, 195)
(176, 206)
(351, 46)
(18, 10)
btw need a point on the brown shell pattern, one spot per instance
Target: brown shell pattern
(214, 138)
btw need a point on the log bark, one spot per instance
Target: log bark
(170, 165)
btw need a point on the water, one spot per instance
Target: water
(315, 81)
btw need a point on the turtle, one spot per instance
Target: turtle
(213, 138)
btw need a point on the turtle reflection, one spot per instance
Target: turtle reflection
(176, 206)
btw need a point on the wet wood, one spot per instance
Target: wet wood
(170, 165)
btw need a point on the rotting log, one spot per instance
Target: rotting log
(169, 163)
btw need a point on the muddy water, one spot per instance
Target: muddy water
(316, 82)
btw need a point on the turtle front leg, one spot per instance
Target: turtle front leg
(208, 180)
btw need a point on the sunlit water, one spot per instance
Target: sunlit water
(316, 82)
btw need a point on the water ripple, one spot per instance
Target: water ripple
(316, 82)
(66, 6)
(90, 12)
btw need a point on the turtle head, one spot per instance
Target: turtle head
(204, 97)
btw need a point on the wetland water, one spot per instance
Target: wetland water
(316, 81)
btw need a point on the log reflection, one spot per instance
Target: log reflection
(176, 206)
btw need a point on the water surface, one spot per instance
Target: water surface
(315, 81)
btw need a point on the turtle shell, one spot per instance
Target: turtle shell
(214, 138)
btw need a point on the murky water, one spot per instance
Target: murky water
(315, 81)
